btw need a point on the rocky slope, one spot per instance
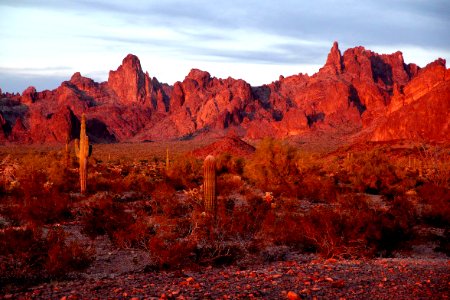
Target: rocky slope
(358, 91)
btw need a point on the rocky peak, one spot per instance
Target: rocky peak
(29, 95)
(81, 82)
(201, 77)
(440, 62)
(334, 65)
(76, 77)
(128, 81)
(132, 62)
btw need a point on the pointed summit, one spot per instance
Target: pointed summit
(334, 65)
(29, 95)
(129, 81)
(131, 61)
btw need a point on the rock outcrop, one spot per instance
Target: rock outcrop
(129, 81)
(29, 95)
(334, 65)
(230, 144)
(421, 109)
(357, 91)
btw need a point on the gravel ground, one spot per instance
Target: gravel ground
(301, 276)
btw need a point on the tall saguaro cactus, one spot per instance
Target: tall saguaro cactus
(83, 150)
(167, 160)
(209, 185)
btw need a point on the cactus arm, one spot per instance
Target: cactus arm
(77, 147)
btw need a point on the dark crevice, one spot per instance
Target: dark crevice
(314, 118)
(98, 132)
(353, 97)
(381, 70)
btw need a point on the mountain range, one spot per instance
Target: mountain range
(358, 94)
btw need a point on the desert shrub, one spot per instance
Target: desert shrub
(444, 242)
(39, 201)
(436, 162)
(228, 184)
(185, 172)
(322, 229)
(171, 244)
(45, 208)
(22, 254)
(64, 256)
(317, 188)
(135, 235)
(27, 255)
(8, 175)
(137, 182)
(273, 167)
(196, 237)
(163, 192)
(106, 217)
(170, 254)
(173, 207)
(68, 181)
(245, 220)
(124, 229)
(224, 239)
(348, 229)
(38, 196)
(373, 173)
(390, 229)
(281, 229)
(436, 201)
(226, 163)
(101, 183)
(121, 178)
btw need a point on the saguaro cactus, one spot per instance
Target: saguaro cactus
(83, 150)
(167, 160)
(209, 185)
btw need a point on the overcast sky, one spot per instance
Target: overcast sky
(44, 42)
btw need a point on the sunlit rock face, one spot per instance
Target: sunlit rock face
(357, 91)
(129, 81)
(420, 109)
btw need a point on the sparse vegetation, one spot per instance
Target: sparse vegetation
(367, 204)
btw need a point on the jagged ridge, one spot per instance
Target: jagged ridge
(358, 91)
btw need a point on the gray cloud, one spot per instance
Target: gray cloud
(279, 53)
(413, 22)
(416, 23)
(287, 54)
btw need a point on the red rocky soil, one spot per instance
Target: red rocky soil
(298, 277)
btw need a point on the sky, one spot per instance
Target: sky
(42, 43)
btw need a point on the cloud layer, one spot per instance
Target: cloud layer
(248, 39)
